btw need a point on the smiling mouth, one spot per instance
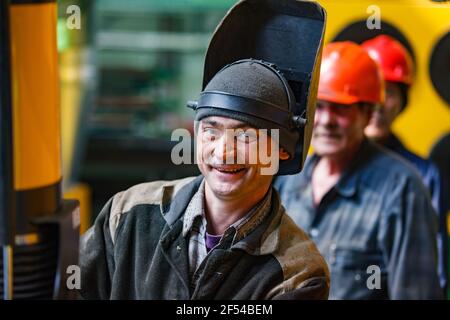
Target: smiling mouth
(328, 135)
(228, 170)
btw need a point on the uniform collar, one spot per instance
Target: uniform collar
(195, 210)
(195, 213)
(264, 239)
(393, 143)
(347, 185)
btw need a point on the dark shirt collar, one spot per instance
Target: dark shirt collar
(264, 239)
(347, 184)
(393, 143)
(195, 212)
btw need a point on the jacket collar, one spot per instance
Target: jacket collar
(265, 235)
(245, 225)
(174, 206)
(195, 209)
(265, 239)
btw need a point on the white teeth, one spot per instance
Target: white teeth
(229, 171)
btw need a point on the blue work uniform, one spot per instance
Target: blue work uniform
(376, 228)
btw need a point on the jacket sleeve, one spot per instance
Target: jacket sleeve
(437, 186)
(408, 240)
(97, 258)
(316, 288)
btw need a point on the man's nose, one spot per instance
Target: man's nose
(225, 148)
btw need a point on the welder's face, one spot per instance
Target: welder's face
(228, 157)
(338, 128)
(381, 121)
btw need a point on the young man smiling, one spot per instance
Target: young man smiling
(224, 234)
(233, 187)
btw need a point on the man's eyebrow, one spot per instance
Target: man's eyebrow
(243, 126)
(216, 124)
(211, 123)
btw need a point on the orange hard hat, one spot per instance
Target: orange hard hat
(349, 75)
(393, 58)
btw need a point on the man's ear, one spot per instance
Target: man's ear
(283, 154)
(369, 109)
(196, 125)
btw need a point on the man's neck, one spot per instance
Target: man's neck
(333, 165)
(328, 170)
(382, 139)
(221, 213)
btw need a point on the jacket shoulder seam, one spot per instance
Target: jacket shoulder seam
(152, 193)
(307, 262)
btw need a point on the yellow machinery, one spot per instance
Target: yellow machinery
(424, 27)
(75, 81)
(40, 231)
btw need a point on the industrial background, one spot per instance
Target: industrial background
(107, 99)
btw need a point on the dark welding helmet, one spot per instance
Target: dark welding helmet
(262, 67)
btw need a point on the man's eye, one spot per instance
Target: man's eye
(247, 137)
(211, 133)
(390, 92)
(320, 106)
(342, 109)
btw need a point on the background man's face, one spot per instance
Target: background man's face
(382, 119)
(216, 146)
(338, 128)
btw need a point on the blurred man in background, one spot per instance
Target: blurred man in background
(365, 208)
(397, 68)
